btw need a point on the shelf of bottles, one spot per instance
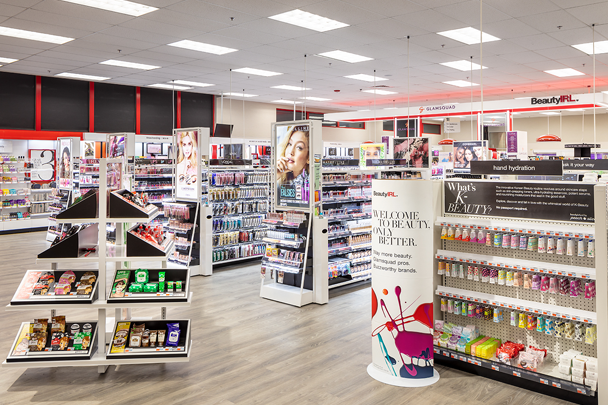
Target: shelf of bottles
(182, 228)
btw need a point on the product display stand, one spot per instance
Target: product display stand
(549, 291)
(99, 354)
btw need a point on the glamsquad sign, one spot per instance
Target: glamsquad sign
(402, 283)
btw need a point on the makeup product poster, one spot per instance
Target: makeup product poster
(43, 162)
(116, 146)
(187, 170)
(467, 151)
(293, 165)
(65, 163)
(89, 149)
(402, 281)
(415, 151)
(371, 151)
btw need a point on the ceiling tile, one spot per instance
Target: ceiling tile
(66, 9)
(58, 19)
(468, 12)
(10, 11)
(432, 21)
(521, 8)
(388, 8)
(208, 11)
(536, 42)
(549, 22)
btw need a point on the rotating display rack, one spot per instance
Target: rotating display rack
(537, 280)
(90, 343)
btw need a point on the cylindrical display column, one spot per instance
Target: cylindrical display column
(402, 283)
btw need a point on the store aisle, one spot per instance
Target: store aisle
(246, 351)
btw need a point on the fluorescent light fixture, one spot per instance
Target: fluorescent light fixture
(437, 119)
(600, 47)
(191, 84)
(365, 78)
(131, 65)
(461, 83)
(515, 113)
(34, 36)
(257, 72)
(345, 56)
(468, 35)
(83, 77)
(522, 98)
(390, 108)
(314, 98)
(550, 113)
(118, 6)
(286, 102)
(168, 86)
(380, 92)
(202, 47)
(575, 109)
(463, 65)
(287, 87)
(8, 60)
(240, 95)
(308, 20)
(363, 110)
(567, 72)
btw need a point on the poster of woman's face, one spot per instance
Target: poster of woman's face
(116, 146)
(65, 163)
(414, 151)
(466, 152)
(293, 165)
(187, 165)
(371, 151)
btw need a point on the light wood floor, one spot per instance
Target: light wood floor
(246, 350)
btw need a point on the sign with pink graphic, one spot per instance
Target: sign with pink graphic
(402, 283)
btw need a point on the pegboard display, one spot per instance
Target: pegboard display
(503, 330)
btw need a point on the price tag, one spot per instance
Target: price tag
(493, 303)
(474, 261)
(476, 299)
(510, 306)
(495, 368)
(519, 308)
(586, 320)
(470, 361)
(502, 304)
(503, 229)
(518, 267)
(516, 373)
(511, 230)
(570, 275)
(581, 391)
(586, 236)
(545, 312)
(452, 355)
(462, 358)
(526, 309)
(543, 381)
(539, 232)
(536, 311)
(467, 261)
(484, 301)
(576, 318)
(556, 384)
(436, 350)
(585, 276)
(548, 233)
(564, 316)
(506, 266)
(477, 363)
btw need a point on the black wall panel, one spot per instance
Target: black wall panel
(114, 108)
(156, 111)
(17, 101)
(197, 110)
(65, 105)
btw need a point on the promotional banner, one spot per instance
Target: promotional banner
(293, 165)
(65, 163)
(541, 200)
(43, 162)
(116, 146)
(371, 151)
(518, 167)
(467, 151)
(187, 165)
(402, 283)
(413, 150)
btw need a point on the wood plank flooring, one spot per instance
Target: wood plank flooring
(246, 350)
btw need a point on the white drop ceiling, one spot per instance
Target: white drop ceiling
(536, 35)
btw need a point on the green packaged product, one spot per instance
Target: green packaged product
(161, 286)
(161, 276)
(178, 286)
(120, 283)
(78, 341)
(136, 287)
(169, 286)
(141, 276)
(151, 287)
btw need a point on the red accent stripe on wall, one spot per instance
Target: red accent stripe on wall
(178, 114)
(36, 135)
(91, 107)
(213, 123)
(137, 110)
(38, 103)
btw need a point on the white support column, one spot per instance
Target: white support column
(601, 299)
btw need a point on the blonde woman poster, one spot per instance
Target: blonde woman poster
(371, 151)
(293, 165)
(187, 165)
(65, 163)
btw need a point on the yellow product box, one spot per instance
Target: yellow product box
(119, 342)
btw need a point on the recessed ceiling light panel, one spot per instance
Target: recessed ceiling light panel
(550, 113)
(308, 20)
(287, 87)
(600, 47)
(345, 56)
(233, 94)
(468, 35)
(380, 92)
(82, 77)
(567, 72)
(117, 6)
(257, 72)
(461, 83)
(168, 86)
(130, 65)
(286, 102)
(8, 60)
(191, 84)
(314, 98)
(366, 78)
(463, 65)
(202, 47)
(34, 36)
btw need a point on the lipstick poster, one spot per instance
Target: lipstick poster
(293, 165)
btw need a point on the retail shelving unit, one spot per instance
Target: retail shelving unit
(238, 193)
(101, 351)
(533, 284)
(15, 189)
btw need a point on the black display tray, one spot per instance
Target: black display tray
(71, 246)
(27, 283)
(181, 350)
(86, 208)
(182, 275)
(121, 208)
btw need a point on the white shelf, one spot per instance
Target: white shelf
(110, 220)
(517, 264)
(238, 259)
(119, 255)
(548, 228)
(518, 304)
